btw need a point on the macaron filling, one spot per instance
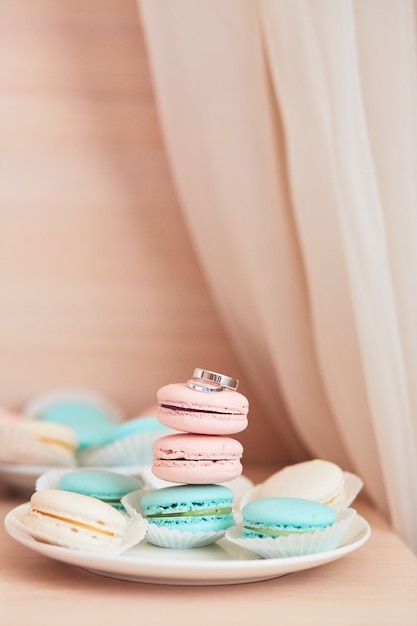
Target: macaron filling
(171, 407)
(204, 512)
(57, 442)
(66, 520)
(263, 531)
(201, 448)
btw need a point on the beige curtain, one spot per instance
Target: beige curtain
(292, 135)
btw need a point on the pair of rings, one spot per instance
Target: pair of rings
(206, 380)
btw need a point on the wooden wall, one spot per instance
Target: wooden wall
(99, 283)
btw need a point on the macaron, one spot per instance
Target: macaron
(319, 480)
(89, 422)
(34, 442)
(110, 487)
(131, 428)
(197, 459)
(89, 414)
(277, 517)
(74, 520)
(205, 413)
(127, 444)
(203, 508)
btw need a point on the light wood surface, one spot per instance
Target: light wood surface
(375, 585)
(99, 284)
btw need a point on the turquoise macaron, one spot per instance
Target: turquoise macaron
(195, 508)
(280, 516)
(110, 487)
(126, 444)
(132, 427)
(90, 423)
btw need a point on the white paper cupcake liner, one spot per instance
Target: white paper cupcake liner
(18, 446)
(298, 544)
(165, 537)
(132, 501)
(50, 479)
(240, 487)
(134, 533)
(135, 450)
(353, 485)
(175, 539)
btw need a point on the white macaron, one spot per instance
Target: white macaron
(74, 520)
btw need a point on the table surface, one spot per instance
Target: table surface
(376, 584)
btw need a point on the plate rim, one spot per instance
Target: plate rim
(26, 469)
(233, 570)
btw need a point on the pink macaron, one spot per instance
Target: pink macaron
(197, 459)
(202, 413)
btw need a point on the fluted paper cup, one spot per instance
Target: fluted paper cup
(296, 544)
(166, 537)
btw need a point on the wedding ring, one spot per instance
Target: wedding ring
(200, 384)
(225, 381)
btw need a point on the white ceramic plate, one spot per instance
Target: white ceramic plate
(221, 563)
(24, 477)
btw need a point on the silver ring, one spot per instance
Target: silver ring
(225, 381)
(199, 385)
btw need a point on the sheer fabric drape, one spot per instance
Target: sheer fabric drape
(291, 131)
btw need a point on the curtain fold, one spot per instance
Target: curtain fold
(291, 133)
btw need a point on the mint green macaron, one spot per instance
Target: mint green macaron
(110, 487)
(195, 508)
(275, 517)
(132, 427)
(90, 423)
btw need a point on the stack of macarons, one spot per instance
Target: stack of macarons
(206, 411)
(206, 414)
